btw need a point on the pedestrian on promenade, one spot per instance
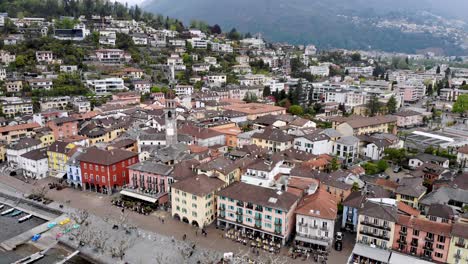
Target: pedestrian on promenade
(162, 219)
(196, 232)
(184, 237)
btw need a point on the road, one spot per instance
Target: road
(100, 205)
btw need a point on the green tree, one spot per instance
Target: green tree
(356, 56)
(266, 91)
(250, 97)
(374, 105)
(461, 105)
(333, 165)
(296, 110)
(392, 105)
(155, 89)
(382, 165)
(438, 69)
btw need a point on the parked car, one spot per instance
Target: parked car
(396, 169)
(339, 236)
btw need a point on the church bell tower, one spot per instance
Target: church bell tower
(171, 120)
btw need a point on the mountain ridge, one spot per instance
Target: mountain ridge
(328, 24)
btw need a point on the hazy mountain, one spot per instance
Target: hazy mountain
(361, 24)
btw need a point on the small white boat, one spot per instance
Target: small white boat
(16, 213)
(24, 218)
(1, 206)
(7, 211)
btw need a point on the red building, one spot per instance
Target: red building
(64, 127)
(103, 170)
(422, 238)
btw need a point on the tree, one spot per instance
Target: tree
(461, 105)
(429, 90)
(216, 29)
(250, 97)
(438, 69)
(392, 105)
(395, 155)
(356, 56)
(382, 165)
(333, 165)
(266, 91)
(234, 35)
(373, 105)
(296, 110)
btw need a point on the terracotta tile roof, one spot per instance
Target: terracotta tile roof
(19, 127)
(273, 135)
(463, 150)
(198, 132)
(424, 224)
(359, 122)
(387, 183)
(460, 229)
(105, 157)
(320, 204)
(407, 209)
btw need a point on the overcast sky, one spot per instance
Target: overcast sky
(130, 2)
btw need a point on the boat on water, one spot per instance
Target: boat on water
(25, 218)
(7, 211)
(1, 206)
(16, 212)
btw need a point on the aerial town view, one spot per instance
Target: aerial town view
(231, 132)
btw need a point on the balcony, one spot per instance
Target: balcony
(431, 239)
(238, 212)
(414, 243)
(258, 217)
(460, 244)
(222, 208)
(403, 232)
(258, 225)
(324, 228)
(239, 220)
(303, 224)
(368, 223)
(259, 209)
(457, 255)
(429, 248)
(239, 203)
(277, 231)
(372, 234)
(249, 206)
(220, 215)
(402, 241)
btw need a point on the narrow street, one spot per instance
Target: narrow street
(100, 205)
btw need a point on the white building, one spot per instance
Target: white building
(12, 106)
(262, 173)
(68, 68)
(140, 40)
(6, 57)
(106, 85)
(34, 163)
(183, 90)
(40, 84)
(24, 145)
(112, 56)
(219, 47)
(216, 80)
(323, 70)
(44, 56)
(198, 43)
(81, 105)
(107, 38)
(3, 74)
(366, 71)
(315, 143)
(347, 149)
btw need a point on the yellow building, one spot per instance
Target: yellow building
(2, 152)
(458, 249)
(104, 134)
(273, 139)
(11, 134)
(46, 136)
(410, 191)
(58, 154)
(359, 125)
(193, 199)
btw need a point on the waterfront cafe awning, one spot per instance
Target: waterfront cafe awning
(139, 196)
(312, 241)
(376, 254)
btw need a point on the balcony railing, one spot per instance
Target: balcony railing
(258, 225)
(241, 204)
(402, 241)
(428, 248)
(238, 212)
(239, 220)
(372, 234)
(303, 224)
(258, 217)
(457, 255)
(278, 223)
(429, 239)
(277, 231)
(250, 206)
(414, 243)
(368, 223)
(403, 232)
(460, 244)
(324, 228)
(259, 209)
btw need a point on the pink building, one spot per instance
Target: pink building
(409, 118)
(263, 212)
(149, 181)
(422, 237)
(64, 127)
(125, 98)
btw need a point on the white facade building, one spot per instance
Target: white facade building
(106, 85)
